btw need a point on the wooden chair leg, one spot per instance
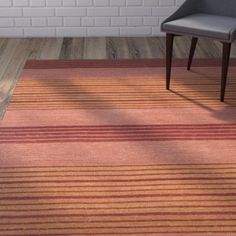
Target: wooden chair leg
(169, 52)
(225, 66)
(192, 51)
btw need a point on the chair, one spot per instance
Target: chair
(215, 19)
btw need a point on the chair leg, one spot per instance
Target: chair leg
(169, 52)
(225, 66)
(192, 51)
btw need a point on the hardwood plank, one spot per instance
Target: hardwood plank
(157, 46)
(7, 52)
(133, 50)
(139, 48)
(72, 49)
(12, 72)
(117, 48)
(209, 48)
(3, 43)
(51, 49)
(233, 49)
(35, 48)
(94, 48)
(77, 49)
(181, 47)
(66, 49)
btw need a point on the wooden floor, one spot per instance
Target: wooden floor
(15, 52)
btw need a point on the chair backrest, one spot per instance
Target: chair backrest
(214, 7)
(218, 7)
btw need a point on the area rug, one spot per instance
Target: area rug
(101, 148)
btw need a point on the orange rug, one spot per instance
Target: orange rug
(101, 148)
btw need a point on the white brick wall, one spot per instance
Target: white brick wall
(76, 18)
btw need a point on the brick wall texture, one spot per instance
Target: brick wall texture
(83, 18)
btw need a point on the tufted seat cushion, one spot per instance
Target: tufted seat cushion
(205, 25)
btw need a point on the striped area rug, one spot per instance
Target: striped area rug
(101, 148)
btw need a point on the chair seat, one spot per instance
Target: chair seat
(203, 25)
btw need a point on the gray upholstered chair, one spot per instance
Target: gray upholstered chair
(214, 19)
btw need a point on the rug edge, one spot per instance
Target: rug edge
(119, 63)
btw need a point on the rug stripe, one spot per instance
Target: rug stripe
(118, 133)
(52, 64)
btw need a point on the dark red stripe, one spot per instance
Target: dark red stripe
(138, 185)
(137, 233)
(117, 140)
(120, 191)
(116, 227)
(122, 214)
(109, 102)
(125, 126)
(108, 138)
(114, 170)
(74, 91)
(112, 166)
(116, 208)
(117, 221)
(122, 130)
(115, 202)
(121, 196)
(108, 181)
(118, 135)
(123, 63)
(121, 175)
